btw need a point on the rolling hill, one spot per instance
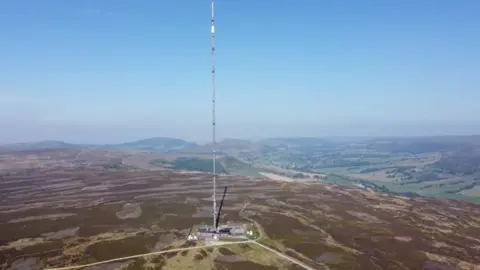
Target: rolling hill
(155, 145)
(226, 146)
(50, 144)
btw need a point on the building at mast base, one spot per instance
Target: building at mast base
(226, 232)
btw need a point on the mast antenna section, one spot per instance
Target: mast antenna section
(212, 40)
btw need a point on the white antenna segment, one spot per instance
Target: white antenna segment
(212, 38)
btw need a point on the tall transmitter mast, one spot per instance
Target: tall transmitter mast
(212, 38)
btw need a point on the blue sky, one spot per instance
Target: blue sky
(109, 71)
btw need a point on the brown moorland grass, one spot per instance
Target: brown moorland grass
(321, 225)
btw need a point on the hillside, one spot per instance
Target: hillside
(227, 146)
(156, 145)
(441, 166)
(85, 213)
(37, 145)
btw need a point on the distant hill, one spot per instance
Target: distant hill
(37, 146)
(414, 145)
(227, 146)
(419, 145)
(298, 141)
(156, 145)
(175, 145)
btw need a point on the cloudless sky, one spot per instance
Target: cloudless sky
(117, 70)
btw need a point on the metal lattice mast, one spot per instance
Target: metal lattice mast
(212, 38)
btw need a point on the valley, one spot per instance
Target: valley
(444, 167)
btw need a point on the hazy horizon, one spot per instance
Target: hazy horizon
(100, 135)
(116, 71)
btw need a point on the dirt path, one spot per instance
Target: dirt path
(286, 257)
